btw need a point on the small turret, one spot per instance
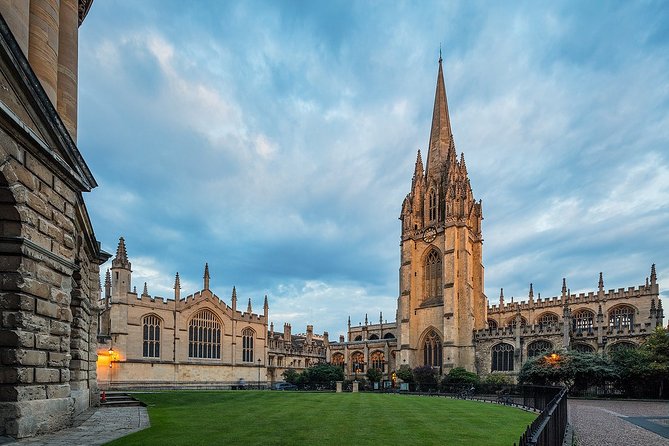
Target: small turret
(600, 287)
(249, 310)
(286, 333)
(326, 339)
(653, 310)
(145, 292)
(121, 271)
(659, 314)
(177, 287)
(501, 298)
(310, 334)
(206, 276)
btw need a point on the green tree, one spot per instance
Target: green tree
(571, 369)
(657, 348)
(291, 376)
(374, 375)
(322, 376)
(405, 374)
(426, 378)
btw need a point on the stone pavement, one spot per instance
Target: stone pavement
(95, 427)
(619, 423)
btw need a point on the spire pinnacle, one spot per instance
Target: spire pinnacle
(601, 282)
(564, 286)
(441, 144)
(248, 307)
(121, 259)
(531, 294)
(146, 290)
(206, 276)
(501, 297)
(265, 304)
(177, 287)
(653, 275)
(107, 278)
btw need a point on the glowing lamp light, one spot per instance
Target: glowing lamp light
(555, 356)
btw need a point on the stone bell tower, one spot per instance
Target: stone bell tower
(441, 297)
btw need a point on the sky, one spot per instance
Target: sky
(276, 140)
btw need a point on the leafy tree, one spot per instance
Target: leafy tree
(405, 374)
(657, 348)
(460, 375)
(374, 375)
(291, 376)
(322, 376)
(426, 378)
(571, 369)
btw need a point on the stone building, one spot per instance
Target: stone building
(49, 256)
(443, 319)
(194, 341)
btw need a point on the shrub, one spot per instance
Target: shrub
(426, 378)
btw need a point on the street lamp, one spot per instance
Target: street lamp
(258, 373)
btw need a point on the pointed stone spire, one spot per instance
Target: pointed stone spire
(349, 322)
(463, 165)
(380, 317)
(659, 314)
(233, 299)
(265, 307)
(121, 259)
(564, 287)
(653, 275)
(365, 318)
(248, 307)
(501, 298)
(531, 294)
(146, 290)
(601, 282)
(441, 145)
(206, 276)
(108, 284)
(418, 170)
(177, 287)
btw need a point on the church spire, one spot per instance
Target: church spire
(206, 276)
(441, 136)
(177, 287)
(121, 259)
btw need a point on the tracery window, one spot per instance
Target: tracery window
(548, 319)
(378, 361)
(151, 336)
(432, 205)
(502, 358)
(583, 320)
(622, 345)
(358, 338)
(373, 337)
(432, 351)
(358, 362)
(388, 336)
(204, 336)
(512, 322)
(583, 348)
(621, 317)
(247, 345)
(492, 325)
(338, 360)
(433, 275)
(538, 348)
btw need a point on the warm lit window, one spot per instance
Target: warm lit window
(204, 336)
(378, 361)
(151, 336)
(247, 345)
(537, 348)
(358, 362)
(338, 360)
(432, 351)
(502, 358)
(433, 276)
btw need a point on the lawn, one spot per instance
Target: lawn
(297, 418)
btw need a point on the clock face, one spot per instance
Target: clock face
(429, 235)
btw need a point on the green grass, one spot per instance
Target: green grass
(297, 418)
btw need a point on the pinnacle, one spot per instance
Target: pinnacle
(177, 282)
(121, 259)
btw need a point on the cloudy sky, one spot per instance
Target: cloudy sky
(276, 140)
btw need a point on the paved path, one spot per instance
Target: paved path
(94, 427)
(619, 423)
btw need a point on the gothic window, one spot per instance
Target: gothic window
(432, 205)
(358, 338)
(338, 360)
(512, 322)
(378, 360)
(538, 348)
(502, 358)
(204, 336)
(433, 275)
(151, 336)
(373, 337)
(583, 320)
(432, 351)
(247, 345)
(547, 319)
(358, 362)
(492, 325)
(388, 336)
(621, 317)
(583, 348)
(622, 345)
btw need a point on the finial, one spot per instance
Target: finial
(107, 278)
(601, 281)
(134, 289)
(365, 318)
(531, 294)
(349, 321)
(440, 52)
(234, 294)
(177, 287)
(501, 297)
(206, 276)
(564, 286)
(653, 275)
(266, 304)
(121, 259)
(248, 307)
(380, 317)
(146, 290)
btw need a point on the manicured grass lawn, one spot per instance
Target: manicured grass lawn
(297, 418)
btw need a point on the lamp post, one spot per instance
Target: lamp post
(258, 373)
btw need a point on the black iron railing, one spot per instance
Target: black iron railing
(549, 427)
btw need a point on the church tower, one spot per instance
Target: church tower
(441, 297)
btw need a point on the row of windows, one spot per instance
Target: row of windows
(619, 317)
(204, 337)
(377, 360)
(375, 337)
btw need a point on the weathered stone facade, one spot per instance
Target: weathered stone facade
(153, 342)
(49, 257)
(443, 317)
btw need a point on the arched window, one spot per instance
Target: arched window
(583, 348)
(378, 361)
(204, 336)
(492, 325)
(537, 348)
(338, 360)
(621, 317)
(502, 358)
(583, 320)
(432, 205)
(247, 345)
(373, 337)
(432, 351)
(622, 345)
(358, 338)
(151, 336)
(388, 336)
(512, 322)
(358, 362)
(433, 276)
(547, 319)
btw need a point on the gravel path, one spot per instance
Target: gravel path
(616, 423)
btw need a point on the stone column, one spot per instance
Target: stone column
(339, 386)
(43, 44)
(17, 14)
(355, 386)
(68, 35)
